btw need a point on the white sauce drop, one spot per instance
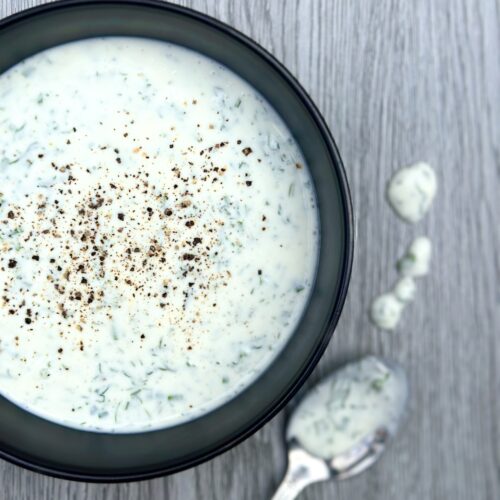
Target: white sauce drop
(348, 406)
(416, 261)
(405, 289)
(386, 309)
(159, 234)
(411, 191)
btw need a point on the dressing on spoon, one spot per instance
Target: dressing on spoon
(348, 405)
(341, 426)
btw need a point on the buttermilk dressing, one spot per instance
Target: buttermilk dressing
(411, 190)
(158, 234)
(387, 308)
(416, 261)
(349, 405)
(405, 289)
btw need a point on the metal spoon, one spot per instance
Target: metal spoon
(304, 468)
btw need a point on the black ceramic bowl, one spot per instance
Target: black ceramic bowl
(61, 451)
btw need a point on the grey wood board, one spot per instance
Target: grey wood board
(397, 81)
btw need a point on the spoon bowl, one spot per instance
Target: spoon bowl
(305, 468)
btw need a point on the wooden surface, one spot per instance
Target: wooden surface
(398, 81)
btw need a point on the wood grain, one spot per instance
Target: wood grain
(398, 81)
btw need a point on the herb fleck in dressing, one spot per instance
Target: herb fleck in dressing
(348, 406)
(158, 236)
(411, 191)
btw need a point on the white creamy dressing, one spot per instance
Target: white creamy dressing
(411, 191)
(348, 406)
(386, 309)
(158, 234)
(405, 289)
(416, 261)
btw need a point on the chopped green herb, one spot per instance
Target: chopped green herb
(16, 231)
(175, 397)
(378, 384)
(165, 369)
(102, 394)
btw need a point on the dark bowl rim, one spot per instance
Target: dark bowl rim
(348, 251)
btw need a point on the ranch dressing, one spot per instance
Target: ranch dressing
(387, 308)
(405, 289)
(416, 261)
(411, 191)
(158, 234)
(347, 406)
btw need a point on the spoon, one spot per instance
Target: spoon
(312, 457)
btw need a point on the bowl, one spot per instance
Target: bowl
(50, 448)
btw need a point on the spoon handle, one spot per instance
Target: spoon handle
(303, 469)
